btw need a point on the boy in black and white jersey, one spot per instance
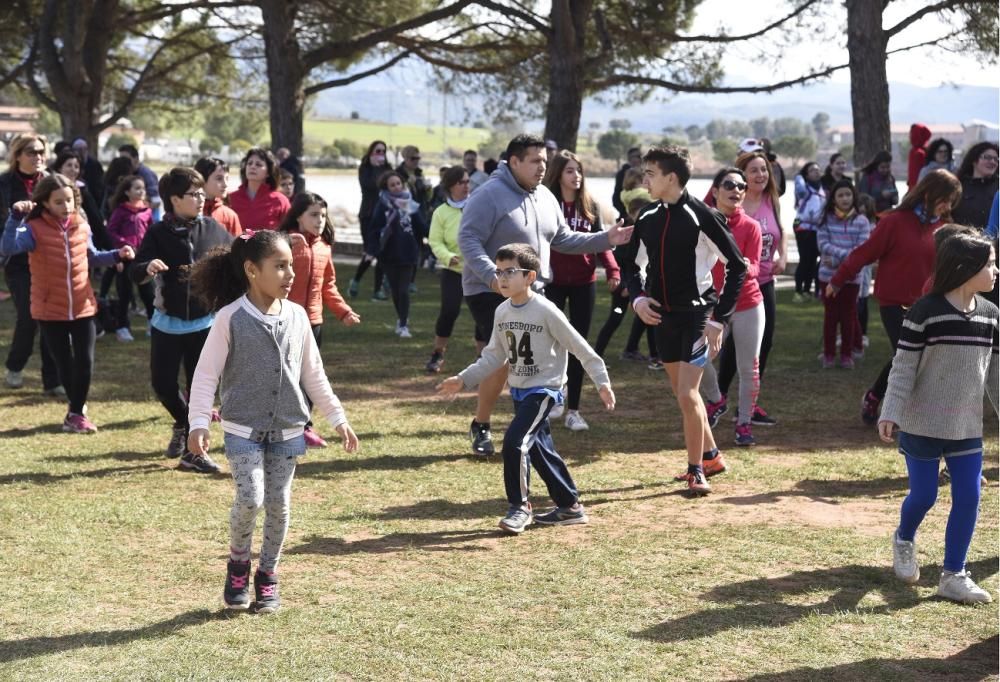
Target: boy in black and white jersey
(684, 239)
(532, 337)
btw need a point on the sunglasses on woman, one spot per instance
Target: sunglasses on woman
(729, 185)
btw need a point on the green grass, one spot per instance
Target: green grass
(429, 140)
(394, 569)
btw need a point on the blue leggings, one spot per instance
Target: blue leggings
(965, 471)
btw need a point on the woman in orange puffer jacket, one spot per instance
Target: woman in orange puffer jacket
(315, 285)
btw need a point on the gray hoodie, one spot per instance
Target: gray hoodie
(502, 212)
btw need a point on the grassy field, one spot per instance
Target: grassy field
(430, 140)
(394, 568)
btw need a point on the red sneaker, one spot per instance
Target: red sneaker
(698, 484)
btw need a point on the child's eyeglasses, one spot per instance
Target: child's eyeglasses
(195, 195)
(509, 272)
(729, 185)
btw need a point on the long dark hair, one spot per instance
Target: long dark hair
(959, 257)
(804, 172)
(267, 157)
(366, 160)
(938, 185)
(934, 146)
(118, 168)
(880, 157)
(831, 204)
(585, 205)
(301, 204)
(46, 186)
(119, 197)
(219, 278)
(971, 156)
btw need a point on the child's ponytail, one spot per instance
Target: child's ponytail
(220, 278)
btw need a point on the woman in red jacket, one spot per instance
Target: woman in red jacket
(258, 203)
(315, 285)
(903, 244)
(574, 276)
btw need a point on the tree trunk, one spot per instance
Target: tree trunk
(285, 74)
(73, 50)
(866, 45)
(566, 55)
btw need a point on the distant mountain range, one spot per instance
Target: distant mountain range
(401, 96)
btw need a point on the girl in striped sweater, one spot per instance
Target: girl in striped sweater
(842, 230)
(945, 360)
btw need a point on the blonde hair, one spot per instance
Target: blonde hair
(20, 143)
(632, 179)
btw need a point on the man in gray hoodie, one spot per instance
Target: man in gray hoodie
(513, 207)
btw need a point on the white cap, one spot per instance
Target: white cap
(750, 144)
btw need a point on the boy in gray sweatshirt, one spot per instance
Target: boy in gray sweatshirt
(533, 337)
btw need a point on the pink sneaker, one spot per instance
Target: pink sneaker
(77, 423)
(216, 417)
(313, 439)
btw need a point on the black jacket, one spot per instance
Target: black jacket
(616, 199)
(683, 242)
(12, 191)
(977, 200)
(179, 244)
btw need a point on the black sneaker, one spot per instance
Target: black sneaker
(236, 595)
(201, 464)
(434, 364)
(265, 587)
(482, 440)
(178, 442)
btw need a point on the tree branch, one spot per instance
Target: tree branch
(673, 37)
(340, 50)
(528, 17)
(930, 9)
(347, 80)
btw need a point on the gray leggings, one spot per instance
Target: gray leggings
(262, 474)
(747, 328)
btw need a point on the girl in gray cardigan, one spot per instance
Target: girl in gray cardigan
(262, 357)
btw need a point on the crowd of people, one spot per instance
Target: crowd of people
(520, 243)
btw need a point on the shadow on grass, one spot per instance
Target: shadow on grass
(56, 427)
(440, 509)
(828, 490)
(45, 478)
(976, 662)
(123, 456)
(757, 603)
(18, 649)
(443, 541)
(325, 468)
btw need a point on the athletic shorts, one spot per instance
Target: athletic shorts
(925, 447)
(680, 337)
(483, 308)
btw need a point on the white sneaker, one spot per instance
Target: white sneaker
(404, 332)
(904, 559)
(864, 341)
(574, 422)
(124, 335)
(557, 411)
(959, 587)
(14, 379)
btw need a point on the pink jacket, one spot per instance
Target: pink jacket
(128, 225)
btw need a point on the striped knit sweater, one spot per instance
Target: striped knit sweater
(944, 361)
(836, 237)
